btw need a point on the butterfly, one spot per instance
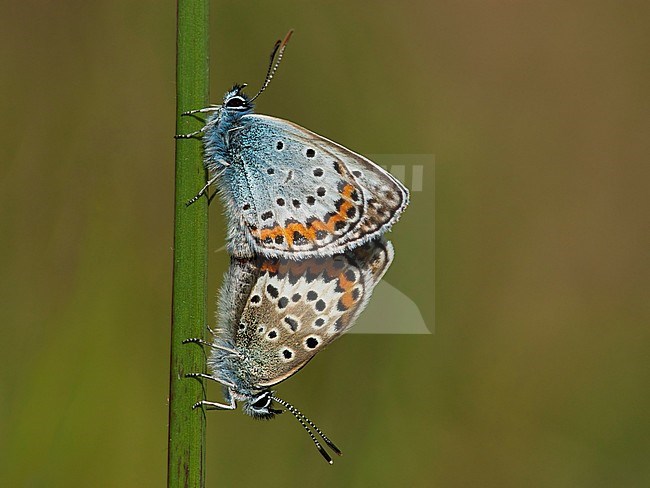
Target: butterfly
(288, 192)
(276, 314)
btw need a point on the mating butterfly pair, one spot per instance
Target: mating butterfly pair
(305, 222)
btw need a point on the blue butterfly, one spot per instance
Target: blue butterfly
(287, 191)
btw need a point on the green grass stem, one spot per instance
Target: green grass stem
(186, 454)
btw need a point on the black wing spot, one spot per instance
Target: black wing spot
(311, 153)
(355, 294)
(311, 342)
(279, 146)
(299, 239)
(272, 290)
(292, 323)
(318, 172)
(339, 324)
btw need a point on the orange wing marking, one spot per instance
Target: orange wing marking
(297, 230)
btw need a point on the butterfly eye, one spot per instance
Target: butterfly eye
(262, 402)
(235, 102)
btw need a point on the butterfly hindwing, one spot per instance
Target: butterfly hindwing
(291, 309)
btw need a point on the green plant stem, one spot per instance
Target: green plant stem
(186, 449)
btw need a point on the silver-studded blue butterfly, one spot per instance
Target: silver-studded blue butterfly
(287, 191)
(276, 314)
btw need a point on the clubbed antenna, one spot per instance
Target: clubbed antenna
(300, 417)
(274, 63)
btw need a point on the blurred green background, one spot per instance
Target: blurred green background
(537, 114)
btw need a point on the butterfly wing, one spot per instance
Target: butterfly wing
(385, 197)
(293, 309)
(297, 194)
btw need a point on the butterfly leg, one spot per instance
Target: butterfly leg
(196, 340)
(213, 332)
(209, 377)
(191, 134)
(212, 108)
(207, 185)
(218, 406)
(240, 127)
(215, 405)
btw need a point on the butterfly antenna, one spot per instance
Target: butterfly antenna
(320, 433)
(278, 50)
(300, 417)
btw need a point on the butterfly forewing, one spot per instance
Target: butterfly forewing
(384, 196)
(301, 195)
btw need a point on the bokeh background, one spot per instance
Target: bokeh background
(537, 114)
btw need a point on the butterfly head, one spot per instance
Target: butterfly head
(236, 102)
(259, 406)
